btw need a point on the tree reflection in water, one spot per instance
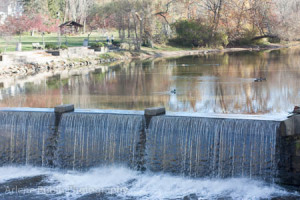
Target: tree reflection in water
(216, 83)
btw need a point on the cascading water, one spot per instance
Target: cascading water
(206, 147)
(24, 137)
(115, 144)
(87, 140)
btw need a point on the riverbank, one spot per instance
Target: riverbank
(35, 62)
(167, 52)
(148, 52)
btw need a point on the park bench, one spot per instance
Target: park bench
(37, 46)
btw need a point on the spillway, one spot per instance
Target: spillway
(24, 137)
(209, 147)
(193, 146)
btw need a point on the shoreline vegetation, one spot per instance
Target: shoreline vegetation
(152, 28)
(53, 65)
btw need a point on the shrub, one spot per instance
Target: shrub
(63, 46)
(160, 38)
(116, 43)
(193, 33)
(220, 39)
(105, 56)
(146, 44)
(262, 41)
(97, 45)
(51, 46)
(246, 39)
(275, 40)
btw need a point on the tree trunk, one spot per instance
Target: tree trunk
(84, 26)
(120, 32)
(129, 27)
(141, 29)
(66, 11)
(137, 39)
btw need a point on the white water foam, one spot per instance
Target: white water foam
(10, 172)
(126, 183)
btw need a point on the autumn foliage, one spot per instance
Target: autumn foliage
(19, 24)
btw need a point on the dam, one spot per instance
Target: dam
(216, 146)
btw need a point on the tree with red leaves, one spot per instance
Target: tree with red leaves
(44, 23)
(19, 24)
(16, 25)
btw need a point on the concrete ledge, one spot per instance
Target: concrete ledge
(155, 111)
(151, 112)
(291, 126)
(64, 108)
(297, 124)
(287, 127)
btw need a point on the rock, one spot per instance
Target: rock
(296, 110)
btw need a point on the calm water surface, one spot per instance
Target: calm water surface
(220, 83)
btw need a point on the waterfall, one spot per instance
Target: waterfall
(87, 140)
(207, 147)
(24, 136)
(192, 146)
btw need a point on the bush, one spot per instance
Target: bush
(160, 38)
(116, 43)
(105, 56)
(275, 40)
(220, 39)
(97, 45)
(246, 39)
(63, 46)
(51, 46)
(193, 33)
(262, 41)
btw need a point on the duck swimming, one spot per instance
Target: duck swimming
(260, 79)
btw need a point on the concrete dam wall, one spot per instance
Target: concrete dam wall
(186, 144)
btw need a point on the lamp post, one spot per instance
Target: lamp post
(58, 33)
(43, 36)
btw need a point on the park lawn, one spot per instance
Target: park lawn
(9, 43)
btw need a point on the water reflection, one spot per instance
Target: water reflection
(219, 83)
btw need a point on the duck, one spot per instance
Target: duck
(173, 91)
(260, 79)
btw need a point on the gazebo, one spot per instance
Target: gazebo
(70, 27)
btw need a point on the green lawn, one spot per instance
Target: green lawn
(9, 43)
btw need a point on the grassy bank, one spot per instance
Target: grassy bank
(9, 43)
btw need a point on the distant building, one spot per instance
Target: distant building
(10, 8)
(70, 27)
